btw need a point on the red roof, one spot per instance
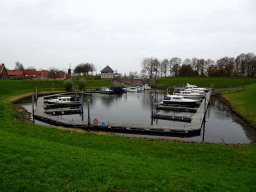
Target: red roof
(15, 73)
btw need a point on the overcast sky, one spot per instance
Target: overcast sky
(55, 33)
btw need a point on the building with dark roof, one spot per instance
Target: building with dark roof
(107, 73)
(3, 73)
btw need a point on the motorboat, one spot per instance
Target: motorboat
(131, 89)
(67, 99)
(106, 90)
(147, 87)
(140, 87)
(117, 90)
(191, 94)
(195, 88)
(179, 100)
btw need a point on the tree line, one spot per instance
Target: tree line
(244, 65)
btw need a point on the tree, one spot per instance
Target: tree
(68, 84)
(54, 73)
(175, 65)
(186, 71)
(18, 66)
(164, 66)
(150, 65)
(84, 68)
(176, 69)
(131, 75)
(81, 83)
(31, 67)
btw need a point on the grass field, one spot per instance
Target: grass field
(218, 82)
(38, 158)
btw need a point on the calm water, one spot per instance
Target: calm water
(135, 108)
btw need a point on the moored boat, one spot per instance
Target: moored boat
(179, 100)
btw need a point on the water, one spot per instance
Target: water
(136, 108)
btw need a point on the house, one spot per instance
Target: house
(3, 73)
(107, 73)
(15, 74)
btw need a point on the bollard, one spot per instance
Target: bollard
(33, 106)
(88, 112)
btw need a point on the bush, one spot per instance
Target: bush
(68, 84)
(81, 83)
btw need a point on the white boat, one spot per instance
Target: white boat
(62, 100)
(179, 100)
(131, 89)
(191, 94)
(147, 87)
(194, 87)
(106, 90)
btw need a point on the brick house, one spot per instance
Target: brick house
(15, 74)
(3, 73)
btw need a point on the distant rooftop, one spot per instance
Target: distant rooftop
(107, 69)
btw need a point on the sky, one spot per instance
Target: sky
(57, 33)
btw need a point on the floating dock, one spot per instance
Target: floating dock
(193, 128)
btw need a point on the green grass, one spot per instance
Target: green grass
(219, 82)
(244, 102)
(38, 158)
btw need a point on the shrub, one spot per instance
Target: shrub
(68, 84)
(81, 83)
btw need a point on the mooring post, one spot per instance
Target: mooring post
(203, 129)
(88, 111)
(33, 105)
(91, 90)
(36, 93)
(152, 105)
(157, 95)
(126, 88)
(82, 103)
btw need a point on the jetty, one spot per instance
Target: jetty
(193, 128)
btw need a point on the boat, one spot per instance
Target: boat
(131, 89)
(117, 90)
(68, 99)
(179, 100)
(195, 88)
(106, 90)
(191, 94)
(147, 87)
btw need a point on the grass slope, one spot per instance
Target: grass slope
(244, 102)
(219, 82)
(38, 158)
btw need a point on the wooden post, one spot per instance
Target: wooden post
(82, 102)
(91, 89)
(152, 104)
(203, 129)
(52, 87)
(88, 111)
(33, 106)
(36, 93)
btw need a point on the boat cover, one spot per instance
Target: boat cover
(117, 90)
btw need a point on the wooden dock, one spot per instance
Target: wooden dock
(172, 108)
(193, 128)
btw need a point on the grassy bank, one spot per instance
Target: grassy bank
(244, 102)
(219, 82)
(38, 158)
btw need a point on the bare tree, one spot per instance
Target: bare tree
(150, 65)
(175, 63)
(84, 68)
(164, 67)
(18, 66)
(54, 73)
